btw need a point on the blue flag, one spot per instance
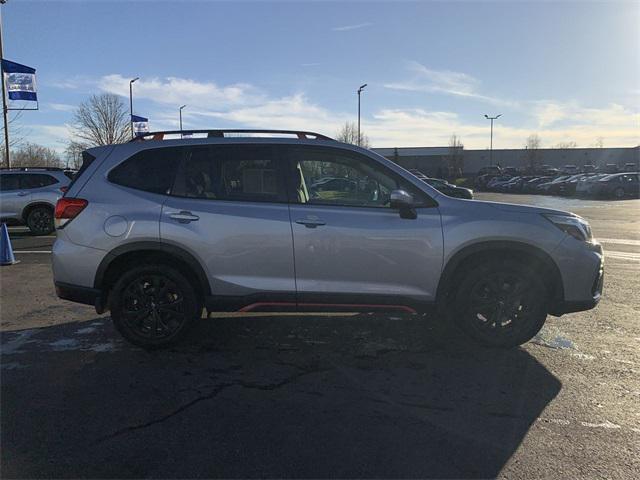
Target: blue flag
(140, 125)
(20, 81)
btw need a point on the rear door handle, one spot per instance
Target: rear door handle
(310, 223)
(23, 194)
(184, 216)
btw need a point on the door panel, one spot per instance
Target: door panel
(244, 247)
(360, 252)
(350, 246)
(13, 198)
(228, 207)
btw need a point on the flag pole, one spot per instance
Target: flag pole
(4, 97)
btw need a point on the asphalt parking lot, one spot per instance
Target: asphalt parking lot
(323, 396)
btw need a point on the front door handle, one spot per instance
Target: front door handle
(310, 223)
(23, 194)
(184, 216)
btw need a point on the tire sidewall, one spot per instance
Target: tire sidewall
(50, 228)
(468, 280)
(193, 306)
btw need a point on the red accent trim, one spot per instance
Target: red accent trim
(253, 306)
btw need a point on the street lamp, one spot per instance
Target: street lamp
(359, 92)
(181, 119)
(491, 146)
(131, 103)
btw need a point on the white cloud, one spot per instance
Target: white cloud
(245, 105)
(346, 28)
(61, 107)
(178, 91)
(447, 82)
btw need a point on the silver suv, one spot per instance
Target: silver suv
(28, 195)
(155, 230)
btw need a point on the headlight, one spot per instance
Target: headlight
(577, 227)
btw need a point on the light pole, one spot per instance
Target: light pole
(359, 92)
(181, 119)
(491, 145)
(131, 103)
(4, 99)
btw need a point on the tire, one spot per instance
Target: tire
(154, 306)
(40, 221)
(619, 193)
(500, 304)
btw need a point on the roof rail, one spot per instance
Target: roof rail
(25, 169)
(220, 133)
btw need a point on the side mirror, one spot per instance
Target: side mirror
(403, 201)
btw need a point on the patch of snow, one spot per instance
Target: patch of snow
(85, 331)
(65, 344)
(606, 424)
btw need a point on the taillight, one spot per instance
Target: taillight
(67, 209)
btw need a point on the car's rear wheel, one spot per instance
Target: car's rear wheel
(501, 303)
(154, 306)
(40, 221)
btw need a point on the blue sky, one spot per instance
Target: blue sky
(568, 71)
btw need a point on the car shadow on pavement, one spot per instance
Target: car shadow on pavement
(293, 396)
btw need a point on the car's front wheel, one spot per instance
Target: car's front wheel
(40, 221)
(501, 303)
(154, 306)
(619, 193)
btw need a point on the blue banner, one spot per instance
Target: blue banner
(20, 81)
(140, 125)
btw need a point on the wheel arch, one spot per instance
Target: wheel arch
(124, 256)
(482, 251)
(29, 208)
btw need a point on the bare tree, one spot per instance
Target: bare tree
(599, 143)
(349, 134)
(73, 154)
(101, 120)
(33, 155)
(16, 134)
(566, 145)
(455, 157)
(533, 154)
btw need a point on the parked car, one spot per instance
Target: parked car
(158, 228)
(588, 168)
(510, 171)
(618, 185)
(568, 187)
(545, 188)
(586, 185)
(530, 186)
(495, 182)
(557, 187)
(570, 169)
(449, 189)
(28, 195)
(490, 169)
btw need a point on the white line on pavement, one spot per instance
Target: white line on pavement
(634, 257)
(619, 241)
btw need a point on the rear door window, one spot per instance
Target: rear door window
(150, 170)
(36, 180)
(250, 173)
